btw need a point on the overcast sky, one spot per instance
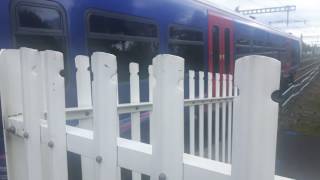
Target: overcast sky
(308, 10)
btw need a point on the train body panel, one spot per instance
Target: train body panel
(183, 28)
(137, 30)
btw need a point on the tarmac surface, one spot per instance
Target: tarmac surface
(298, 149)
(298, 156)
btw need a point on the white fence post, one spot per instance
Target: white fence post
(135, 99)
(55, 96)
(83, 86)
(151, 89)
(167, 125)
(210, 116)
(230, 90)
(201, 115)
(105, 115)
(224, 109)
(84, 100)
(31, 88)
(217, 119)
(11, 104)
(192, 113)
(255, 118)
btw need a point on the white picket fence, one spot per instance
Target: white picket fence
(224, 127)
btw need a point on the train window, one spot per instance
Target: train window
(41, 43)
(193, 55)
(129, 38)
(187, 43)
(38, 17)
(40, 26)
(180, 33)
(227, 51)
(127, 51)
(118, 26)
(216, 48)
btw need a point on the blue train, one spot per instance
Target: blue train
(208, 37)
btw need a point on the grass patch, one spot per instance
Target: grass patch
(310, 129)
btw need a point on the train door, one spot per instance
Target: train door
(220, 44)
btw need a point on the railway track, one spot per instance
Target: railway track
(305, 74)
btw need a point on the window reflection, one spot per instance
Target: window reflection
(193, 55)
(115, 26)
(126, 52)
(180, 33)
(38, 17)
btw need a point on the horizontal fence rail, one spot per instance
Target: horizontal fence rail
(199, 125)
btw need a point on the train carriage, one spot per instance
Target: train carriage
(208, 37)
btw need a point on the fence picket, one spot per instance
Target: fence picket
(256, 118)
(230, 106)
(57, 147)
(84, 100)
(201, 115)
(210, 90)
(135, 99)
(151, 90)
(34, 117)
(105, 100)
(217, 119)
(31, 88)
(192, 113)
(224, 109)
(168, 110)
(11, 104)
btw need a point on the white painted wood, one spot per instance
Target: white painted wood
(205, 169)
(230, 90)
(210, 116)
(168, 110)
(151, 90)
(135, 155)
(31, 88)
(83, 83)
(84, 100)
(11, 104)
(135, 99)
(55, 96)
(201, 115)
(217, 119)
(192, 112)
(105, 100)
(11, 76)
(80, 141)
(224, 110)
(255, 118)
(202, 168)
(130, 152)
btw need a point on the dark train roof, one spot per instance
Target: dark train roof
(216, 9)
